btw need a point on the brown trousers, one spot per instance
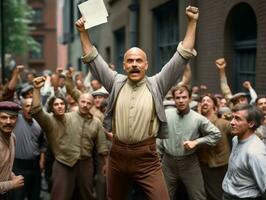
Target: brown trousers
(72, 182)
(135, 163)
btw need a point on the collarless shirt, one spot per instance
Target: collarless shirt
(246, 175)
(135, 118)
(30, 140)
(72, 138)
(188, 127)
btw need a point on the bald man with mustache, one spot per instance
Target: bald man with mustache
(135, 114)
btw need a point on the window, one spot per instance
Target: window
(38, 55)
(243, 29)
(38, 15)
(120, 49)
(166, 30)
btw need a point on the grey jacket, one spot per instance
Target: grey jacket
(158, 84)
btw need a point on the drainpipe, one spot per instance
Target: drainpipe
(134, 14)
(2, 43)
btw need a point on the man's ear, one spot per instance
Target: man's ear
(146, 66)
(251, 124)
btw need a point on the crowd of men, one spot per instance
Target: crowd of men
(115, 136)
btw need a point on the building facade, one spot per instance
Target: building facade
(44, 31)
(232, 29)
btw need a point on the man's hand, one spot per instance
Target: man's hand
(188, 145)
(70, 72)
(192, 13)
(39, 82)
(247, 85)
(104, 169)
(17, 181)
(19, 69)
(109, 136)
(220, 63)
(80, 24)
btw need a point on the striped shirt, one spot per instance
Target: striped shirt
(7, 154)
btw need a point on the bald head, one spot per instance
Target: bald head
(85, 103)
(135, 64)
(86, 96)
(135, 50)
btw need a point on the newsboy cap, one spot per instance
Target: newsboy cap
(26, 89)
(100, 92)
(9, 107)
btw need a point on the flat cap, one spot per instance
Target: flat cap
(100, 92)
(9, 107)
(26, 89)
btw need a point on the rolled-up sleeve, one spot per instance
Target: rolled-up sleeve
(5, 186)
(90, 57)
(186, 53)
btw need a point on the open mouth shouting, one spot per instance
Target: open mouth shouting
(134, 71)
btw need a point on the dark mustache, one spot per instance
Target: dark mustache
(134, 70)
(8, 126)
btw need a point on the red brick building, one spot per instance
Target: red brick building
(44, 31)
(234, 29)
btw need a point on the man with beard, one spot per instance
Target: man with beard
(187, 131)
(135, 113)
(214, 159)
(8, 117)
(72, 137)
(246, 175)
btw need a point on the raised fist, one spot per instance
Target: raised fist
(39, 82)
(80, 24)
(247, 85)
(220, 63)
(192, 13)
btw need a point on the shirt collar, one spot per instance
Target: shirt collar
(181, 114)
(88, 116)
(138, 84)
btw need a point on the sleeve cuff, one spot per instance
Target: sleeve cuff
(186, 53)
(91, 56)
(200, 141)
(35, 109)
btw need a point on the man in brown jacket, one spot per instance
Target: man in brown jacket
(214, 159)
(72, 137)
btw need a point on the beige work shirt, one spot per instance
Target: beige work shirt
(135, 118)
(72, 138)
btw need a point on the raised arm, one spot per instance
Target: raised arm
(38, 113)
(71, 90)
(189, 39)
(174, 68)
(226, 91)
(38, 83)
(84, 37)
(253, 95)
(98, 67)
(15, 76)
(186, 78)
(10, 87)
